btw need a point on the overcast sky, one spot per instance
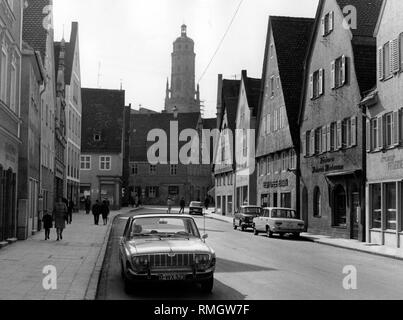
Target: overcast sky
(132, 40)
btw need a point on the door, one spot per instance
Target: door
(340, 213)
(355, 206)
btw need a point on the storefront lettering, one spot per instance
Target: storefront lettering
(327, 168)
(276, 184)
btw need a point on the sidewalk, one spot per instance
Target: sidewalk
(334, 242)
(77, 258)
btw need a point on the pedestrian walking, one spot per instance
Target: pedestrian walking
(182, 204)
(59, 216)
(207, 203)
(70, 209)
(169, 204)
(66, 216)
(47, 221)
(105, 211)
(137, 201)
(96, 211)
(87, 205)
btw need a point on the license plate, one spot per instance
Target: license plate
(171, 277)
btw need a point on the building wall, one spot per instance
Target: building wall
(245, 175)
(270, 142)
(73, 117)
(29, 153)
(334, 105)
(10, 42)
(93, 181)
(386, 167)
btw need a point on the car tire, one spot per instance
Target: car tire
(207, 285)
(269, 233)
(297, 235)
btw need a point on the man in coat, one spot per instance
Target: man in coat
(87, 205)
(96, 211)
(105, 211)
(59, 217)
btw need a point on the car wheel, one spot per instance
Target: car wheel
(297, 235)
(207, 285)
(269, 233)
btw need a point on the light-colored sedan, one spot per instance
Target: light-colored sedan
(165, 248)
(280, 221)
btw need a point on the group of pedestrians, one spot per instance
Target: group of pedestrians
(63, 214)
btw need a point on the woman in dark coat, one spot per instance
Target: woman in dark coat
(47, 225)
(59, 216)
(87, 205)
(105, 212)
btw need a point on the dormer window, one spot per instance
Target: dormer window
(97, 137)
(328, 23)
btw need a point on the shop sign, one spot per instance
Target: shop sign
(276, 184)
(327, 165)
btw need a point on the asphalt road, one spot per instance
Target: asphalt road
(259, 268)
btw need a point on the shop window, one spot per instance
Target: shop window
(286, 200)
(340, 207)
(317, 203)
(390, 206)
(376, 196)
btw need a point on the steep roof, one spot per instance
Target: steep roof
(253, 88)
(291, 37)
(33, 31)
(230, 96)
(70, 48)
(102, 114)
(142, 124)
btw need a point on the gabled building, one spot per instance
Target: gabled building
(73, 106)
(245, 140)
(39, 34)
(10, 123)
(102, 145)
(384, 107)
(340, 67)
(152, 182)
(29, 173)
(277, 146)
(224, 162)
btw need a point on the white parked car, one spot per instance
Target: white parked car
(280, 221)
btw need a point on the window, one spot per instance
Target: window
(391, 208)
(3, 71)
(153, 170)
(284, 166)
(388, 123)
(306, 145)
(13, 84)
(317, 83)
(339, 72)
(317, 203)
(269, 165)
(276, 163)
(401, 51)
(327, 23)
(97, 137)
(153, 192)
(386, 61)
(85, 163)
(318, 140)
(333, 136)
(374, 134)
(174, 170)
(105, 163)
(376, 197)
(275, 124)
(293, 159)
(286, 200)
(245, 143)
(134, 169)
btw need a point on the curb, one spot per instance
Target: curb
(92, 288)
(216, 218)
(384, 255)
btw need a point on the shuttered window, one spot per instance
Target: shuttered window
(327, 22)
(353, 134)
(317, 80)
(380, 63)
(386, 61)
(395, 56)
(380, 133)
(339, 135)
(312, 142)
(324, 139)
(388, 121)
(401, 51)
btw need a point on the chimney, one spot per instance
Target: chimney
(219, 100)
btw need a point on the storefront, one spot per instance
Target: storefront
(385, 199)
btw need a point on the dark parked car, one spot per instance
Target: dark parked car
(244, 217)
(196, 208)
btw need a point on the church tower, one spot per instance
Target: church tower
(182, 93)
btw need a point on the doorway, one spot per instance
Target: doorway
(340, 210)
(355, 205)
(305, 206)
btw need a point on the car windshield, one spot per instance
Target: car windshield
(161, 227)
(196, 204)
(252, 210)
(283, 214)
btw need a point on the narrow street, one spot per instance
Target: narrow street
(250, 267)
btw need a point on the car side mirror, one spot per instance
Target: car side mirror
(205, 237)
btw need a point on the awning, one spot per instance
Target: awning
(343, 173)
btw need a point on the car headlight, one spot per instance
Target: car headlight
(204, 261)
(140, 262)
